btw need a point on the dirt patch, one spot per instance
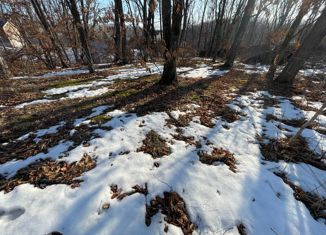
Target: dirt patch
(218, 155)
(174, 208)
(155, 145)
(315, 204)
(48, 172)
(295, 151)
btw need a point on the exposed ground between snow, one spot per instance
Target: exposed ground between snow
(113, 153)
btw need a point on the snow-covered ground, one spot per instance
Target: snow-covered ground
(217, 199)
(202, 71)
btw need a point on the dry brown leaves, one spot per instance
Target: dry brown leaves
(174, 208)
(23, 149)
(155, 145)
(295, 151)
(118, 194)
(230, 115)
(49, 172)
(218, 155)
(315, 204)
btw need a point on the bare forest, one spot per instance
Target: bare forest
(149, 117)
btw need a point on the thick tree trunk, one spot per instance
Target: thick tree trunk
(171, 36)
(82, 35)
(120, 37)
(4, 70)
(309, 44)
(124, 58)
(279, 52)
(239, 35)
(117, 34)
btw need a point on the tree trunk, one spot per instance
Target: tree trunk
(123, 32)
(171, 36)
(4, 70)
(201, 26)
(117, 34)
(185, 21)
(82, 35)
(309, 44)
(219, 29)
(279, 52)
(40, 14)
(239, 35)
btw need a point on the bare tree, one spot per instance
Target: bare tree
(309, 44)
(171, 34)
(39, 12)
(82, 34)
(202, 24)
(239, 35)
(120, 36)
(279, 52)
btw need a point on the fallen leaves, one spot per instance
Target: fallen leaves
(291, 151)
(117, 192)
(154, 145)
(174, 208)
(218, 155)
(49, 172)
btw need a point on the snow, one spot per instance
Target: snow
(312, 72)
(41, 101)
(134, 73)
(9, 169)
(62, 90)
(216, 198)
(204, 71)
(64, 72)
(86, 93)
